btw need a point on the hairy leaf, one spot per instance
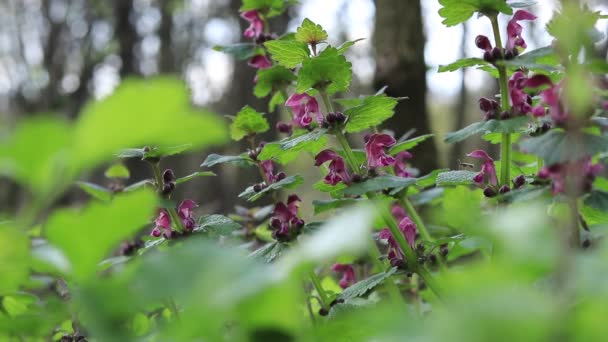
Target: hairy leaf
(288, 53)
(455, 12)
(484, 127)
(409, 143)
(194, 175)
(214, 159)
(377, 184)
(364, 286)
(216, 225)
(240, 51)
(310, 33)
(288, 149)
(462, 63)
(248, 121)
(371, 112)
(328, 71)
(455, 178)
(275, 78)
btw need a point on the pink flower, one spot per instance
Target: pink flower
(407, 228)
(285, 222)
(401, 166)
(514, 29)
(304, 107)
(337, 170)
(488, 170)
(260, 62)
(268, 167)
(256, 24)
(549, 97)
(163, 224)
(576, 175)
(348, 274)
(519, 99)
(184, 212)
(374, 148)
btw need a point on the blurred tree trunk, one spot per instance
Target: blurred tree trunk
(461, 106)
(399, 41)
(127, 36)
(167, 62)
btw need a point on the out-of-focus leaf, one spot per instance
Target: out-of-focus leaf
(325, 205)
(273, 78)
(484, 127)
(462, 63)
(377, 184)
(248, 121)
(240, 51)
(285, 183)
(217, 225)
(118, 170)
(214, 159)
(455, 12)
(194, 175)
(558, 146)
(97, 191)
(14, 258)
(362, 287)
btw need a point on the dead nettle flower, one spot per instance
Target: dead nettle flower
(515, 42)
(487, 174)
(407, 228)
(304, 107)
(577, 176)
(400, 166)
(260, 62)
(337, 168)
(284, 127)
(375, 148)
(490, 107)
(268, 168)
(550, 97)
(521, 102)
(348, 274)
(163, 221)
(256, 24)
(285, 223)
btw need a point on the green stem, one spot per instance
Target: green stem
(350, 156)
(322, 294)
(505, 146)
(159, 188)
(411, 211)
(328, 105)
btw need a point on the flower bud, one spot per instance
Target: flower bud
(586, 243)
(443, 250)
(487, 56)
(505, 115)
(496, 54)
(284, 127)
(168, 176)
(504, 189)
(323, 312)
(356, 178)
(275, 223)
(340, 117)
(483, 43)
(168, 188)
(489, 192)
(331, 118)
(519, 181)
(509, 55)
(280, 176)
(259, 187)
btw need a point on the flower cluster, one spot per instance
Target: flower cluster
(407, 228)
(184, 213)
(285, 223)
(487, 176)
(337, 169)
(572, 177)
(515, 43)
(348, 274)
(256, 32)
(304, 108)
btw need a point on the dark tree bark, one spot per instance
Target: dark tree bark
(399, 41)
(127, 36)
(461, 106)
(167, 60)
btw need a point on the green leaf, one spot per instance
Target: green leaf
(460, 177)
(598, 199)
(141, 184)
(277, 99)
(269, 8)
(332, 189)
(556, 146)
(325, 205)
(248, 121)
(194, 175)
(288, 149)
(268, 253)
(240, 51)
(542, 59)
(347, 45)
(152, 111)
(153, 152)
(372, 112)
(276, 77)
(118, 170)
(285, 183)
(377, 184)
(522, 3)
(484, 127)
(426, 196)
(462, 63)
(96, 191)
(328, 71)
(288, 53)
(217, 225)
(409, 144)
(87, 237)
(429, 179)
(455, 12)
(14, 258)
(310, 33)
(364, 286)
(214, 159)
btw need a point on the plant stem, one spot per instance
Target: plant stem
(328, 106)
(159, 188)
(391, 287)
(505, 145)
(411, 211)
(322, 294)
(348, 152)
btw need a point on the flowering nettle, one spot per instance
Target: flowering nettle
(184, 212)
(348, 274)
(574, 176)
(256, 24)
(337, 169)
(260, 62)
(285, 222)
(514, 30)
(407, 228)
(268, 167)
(488, 170)
(375, 150)
(490, 107)
(304, 107)
(520, 100)
(400, 166)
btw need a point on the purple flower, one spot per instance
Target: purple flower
(184, 212)
(163, 224)
(348, 274)
(488, 171)
(407, 228)
(483, 43)
(337, 170)
(549, 97)
(520, 101)
(374, 148)
(577, 175)
(489, 107)
(268, 168)
(514, 29)
(260, 62)
(256, 24)
(303, 107)
(401, 166)
(285, 222)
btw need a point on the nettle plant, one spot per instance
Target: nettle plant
(512, 251)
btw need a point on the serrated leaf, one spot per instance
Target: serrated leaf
(217, 225)
(377, 184)
(248, 121)
(325, 205)
(557, 146)
(371, 112)
(542, 59)
(240, 51)
(462, 63)
(288, 53)
(362, 287)
(277, 99)
(285, 183)
(273, 78)
(328, 71)
(96, 191)
(139, 185)
(288, 149)
(214, 159)
(484, 127)
(310, 33)
(426, 196)
(268, 253)
(332, 189)
(118, 170)
(194, 175)
(455, 12)
(459, 177)
(409, 144)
